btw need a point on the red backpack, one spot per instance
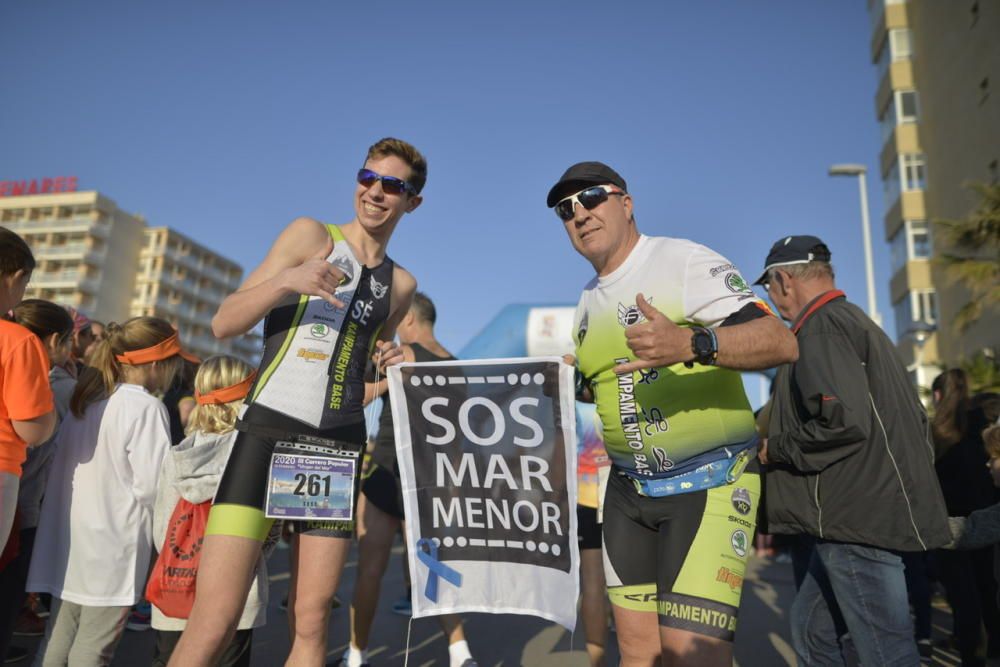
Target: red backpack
(171, 584)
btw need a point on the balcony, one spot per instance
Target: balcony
(68, 278)
(65, 226)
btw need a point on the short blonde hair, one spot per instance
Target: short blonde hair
(216, 373)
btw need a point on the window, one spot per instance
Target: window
(902, 108)
(911, 241)
(897, 46)
(908, 173)
(916, 306)
(914, 173)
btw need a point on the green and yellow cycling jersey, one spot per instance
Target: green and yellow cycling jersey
(657, 419)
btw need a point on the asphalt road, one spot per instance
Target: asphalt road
(762, 637)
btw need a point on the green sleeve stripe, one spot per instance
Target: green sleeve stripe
(335, 233)
(238, 521)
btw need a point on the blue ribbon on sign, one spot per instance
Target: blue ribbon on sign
(436, 567)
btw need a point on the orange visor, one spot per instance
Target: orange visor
(233, 392)
(162, 350)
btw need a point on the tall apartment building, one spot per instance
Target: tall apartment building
(184, 282)
(105, 261)
(938, 104)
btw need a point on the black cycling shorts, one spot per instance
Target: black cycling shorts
(238, 509)
(382, 489)
(683, 556)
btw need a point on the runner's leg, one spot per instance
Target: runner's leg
(376, 533)
(638, 639)
(317, 563)
(681, 647)
(225, 573)
(594, 604)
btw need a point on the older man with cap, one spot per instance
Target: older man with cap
(661, 332)
(849, 464)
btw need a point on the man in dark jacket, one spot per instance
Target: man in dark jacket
(850, 464)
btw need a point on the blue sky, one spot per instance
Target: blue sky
(225, 120)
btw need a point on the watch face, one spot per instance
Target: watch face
(702, 344)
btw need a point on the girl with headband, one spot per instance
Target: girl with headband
(94, 539)
(191, 472)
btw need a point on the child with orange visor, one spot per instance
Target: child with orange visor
(94, 539)
(188, 482)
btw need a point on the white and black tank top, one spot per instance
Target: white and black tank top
(315, 355)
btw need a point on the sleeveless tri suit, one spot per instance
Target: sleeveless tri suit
(309, 392)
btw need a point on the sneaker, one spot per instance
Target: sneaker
(403, 606)
(15, 654)
(139, 619)
(925, 648)
(28, 624)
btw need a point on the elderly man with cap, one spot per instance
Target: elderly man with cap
(849, 464)
(661, 332)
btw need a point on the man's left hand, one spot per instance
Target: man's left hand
(657, 342)
(762, 451)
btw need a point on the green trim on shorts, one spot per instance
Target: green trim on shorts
(641, 597)
(238, 521)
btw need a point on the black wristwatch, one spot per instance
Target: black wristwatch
(705, 346)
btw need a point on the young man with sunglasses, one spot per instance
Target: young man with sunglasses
(330, 294)
(661, 332)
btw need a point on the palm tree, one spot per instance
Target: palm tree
(972, 255)
(983, 370)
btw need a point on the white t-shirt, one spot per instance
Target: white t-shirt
(94, 536)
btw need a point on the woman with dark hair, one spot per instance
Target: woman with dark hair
(966, 484)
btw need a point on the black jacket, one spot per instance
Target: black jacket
(849, 439)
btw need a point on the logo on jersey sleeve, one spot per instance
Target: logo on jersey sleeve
(741, 500)
(629, 315)
(581, 333)
(736, 284)
(378, 289)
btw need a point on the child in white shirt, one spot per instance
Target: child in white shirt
(93, 545)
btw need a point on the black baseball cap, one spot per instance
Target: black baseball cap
(794, 250)
(579, 176)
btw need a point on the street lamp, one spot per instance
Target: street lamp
(860, 170)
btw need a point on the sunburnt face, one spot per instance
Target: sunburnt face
(377, 209)
(604, 232)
